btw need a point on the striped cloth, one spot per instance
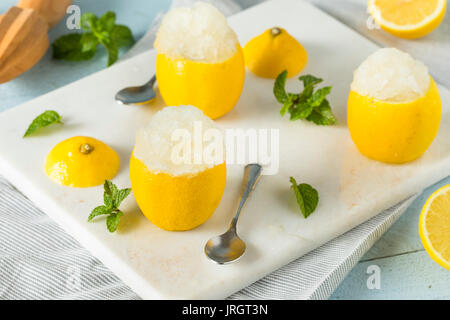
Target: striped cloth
(38, 260)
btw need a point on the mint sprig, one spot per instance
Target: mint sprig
(45, 119)
(112, 198)
(309, 105)
(307, 197)
(97, 31)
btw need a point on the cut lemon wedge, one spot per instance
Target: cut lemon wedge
(408, 19)
(434, 226)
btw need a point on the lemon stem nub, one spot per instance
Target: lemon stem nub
(86, 148)
(275, 31)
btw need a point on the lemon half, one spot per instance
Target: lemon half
(394, 107)
(81, 162)
(272, 52)
(176, 195)
(434, 226)
(408, 19)
(199, 60)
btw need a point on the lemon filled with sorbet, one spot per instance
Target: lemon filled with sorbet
(199, 60)
(394, 107)
(82, 162)
(177, 168)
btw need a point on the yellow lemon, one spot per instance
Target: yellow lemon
(177, 195)
(199, 60)
(272, 52)
(434, 226)
(394, 107)
(81, 162)
(408, 19)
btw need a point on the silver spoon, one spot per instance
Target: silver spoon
(137, 95)
(228, 247)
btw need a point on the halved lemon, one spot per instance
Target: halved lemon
(81, 162)
(199, 60)
(434, 226)
(175, 187)
(272, 52)
(394, 107)
(408, 19)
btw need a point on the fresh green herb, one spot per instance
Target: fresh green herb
(103, 31)
(112, 198)
(309, 104)
(307, 197)
(45, 119)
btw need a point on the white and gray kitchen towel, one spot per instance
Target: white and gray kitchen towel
(39, 260)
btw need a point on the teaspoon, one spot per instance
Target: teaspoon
(228, 247)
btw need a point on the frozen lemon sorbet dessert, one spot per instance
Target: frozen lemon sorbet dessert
(174, 185)
(81, 162)
(199, 61)
(394, 107)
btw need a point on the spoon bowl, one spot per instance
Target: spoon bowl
(137, 95)
(225, 248)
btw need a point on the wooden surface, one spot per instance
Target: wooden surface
(406, 270)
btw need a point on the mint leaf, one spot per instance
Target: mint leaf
(112, 198)
(120, 196)
(302, 111)
(288, 103)
(88, 42)
(110, 194)
(45, 119)
(108, 200)
(279, 87)
(107, 21)
(100, 210)
(113, 221)
(309, 80)
(310, 198)
(70, 48)
(319, 96)
(88, 21)
(103, 30)
(308, 105)
(122, 36)
(307, 197)
(323, 115)
(113, 54)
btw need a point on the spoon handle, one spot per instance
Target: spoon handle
(151, 82)
(252, 173)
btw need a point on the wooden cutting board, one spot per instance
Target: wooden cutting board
(161, 264)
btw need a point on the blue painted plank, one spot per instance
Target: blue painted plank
(404, 263)
(403, 236)
(407, 276)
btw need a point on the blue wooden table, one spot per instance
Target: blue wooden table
(406, 269)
